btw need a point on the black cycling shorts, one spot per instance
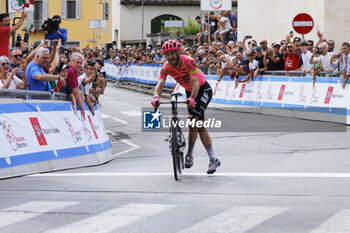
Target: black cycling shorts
(202, 100)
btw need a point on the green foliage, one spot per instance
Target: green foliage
(192, 28)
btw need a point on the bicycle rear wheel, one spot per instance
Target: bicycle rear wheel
(175, 153)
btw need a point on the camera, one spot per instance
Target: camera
(51, 25)
(319, 52)
(248, 37)
(53, 43)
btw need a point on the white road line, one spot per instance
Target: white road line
(113, 219)
(133, 145)
(29, 210)
(103, 115)
(338, 223)
(244, 174)
(235, 220)
(132, 113)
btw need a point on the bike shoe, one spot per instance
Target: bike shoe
(188, 161)
(213, 165)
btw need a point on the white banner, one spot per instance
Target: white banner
(13, 7)
(33, 132)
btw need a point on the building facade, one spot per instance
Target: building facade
(272, 19)
(76, 15)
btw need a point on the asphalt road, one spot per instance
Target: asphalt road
(279, 182)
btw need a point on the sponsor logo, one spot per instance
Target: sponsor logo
(152, 120)
(216, 4)
(14, 142)
(314, 97)
(259, 94)
(269, 95)
(38, 131)
(302, 96)
(328, 95)
(216, 87)
(93, 127)
(242, 91)
(75, 134)
(280, 95)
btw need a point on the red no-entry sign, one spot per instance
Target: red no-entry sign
(303, 23)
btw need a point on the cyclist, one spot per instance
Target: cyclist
(198, 92)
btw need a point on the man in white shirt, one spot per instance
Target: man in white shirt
(85, 82)
(324, 59)
(346, 62)
(306, 56)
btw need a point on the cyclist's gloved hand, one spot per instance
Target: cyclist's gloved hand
(155, 102)
(191, 101)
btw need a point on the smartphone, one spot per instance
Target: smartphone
(291, 33)
(248, 37)
(319, 52)
(337, 56)
(53, 43)
(26, 37)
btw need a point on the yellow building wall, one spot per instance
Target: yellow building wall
(2, 6)
(78, 29)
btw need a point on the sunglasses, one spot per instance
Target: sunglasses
(17, 56)
(310, 45)
(5, 63)
(297, 41)
(262, 42)
(330, 44)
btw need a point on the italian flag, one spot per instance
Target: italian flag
(32, 29)
(25, 3)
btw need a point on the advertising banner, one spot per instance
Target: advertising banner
(34, 132)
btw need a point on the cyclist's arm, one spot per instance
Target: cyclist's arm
(159, 88)
(194, 86)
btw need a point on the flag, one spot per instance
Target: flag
(32, 29)
(25, 3)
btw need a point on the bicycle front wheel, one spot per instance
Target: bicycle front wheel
(175, 153)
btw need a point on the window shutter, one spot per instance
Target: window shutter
(78, 9)
(64, 9)
(106, 10)
(44, 10)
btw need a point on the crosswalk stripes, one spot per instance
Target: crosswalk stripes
(234, 220)
(113, 219)
(338, 223)
(29, 210)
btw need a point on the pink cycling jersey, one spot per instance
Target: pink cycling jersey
(184, 73)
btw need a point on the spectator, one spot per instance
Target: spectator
(263, 45)
(233, 22)
(57, 33)
(291, 55)
(16, 61)
(261, 59)
(306, 56)
(38, 79)
(253, 66)
(275, 60)
(202, 36)
(346, 62)
(66, 89)
(214, 20)
(331, 44)
(310, 45)
(6, 32)
(85, 83)
(226, 27)
(324, 60)
(9, 80)
(72, 79)
(180, 37)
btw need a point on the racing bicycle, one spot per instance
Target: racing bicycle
(176, 138)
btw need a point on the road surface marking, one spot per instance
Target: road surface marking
(235, 220)
(103, 115)
(132, 113)
(133, 145)
(29, 210)
(242, 174)
(338, 223)
(113, 219)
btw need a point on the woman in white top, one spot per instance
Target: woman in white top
(8, 80)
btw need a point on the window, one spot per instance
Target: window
(156, 23)
(39, 15)
(106, 10)
(71, 9)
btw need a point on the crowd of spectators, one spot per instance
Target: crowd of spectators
(49, 67)
(219, 53)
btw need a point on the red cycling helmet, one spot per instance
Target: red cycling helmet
(171, 45)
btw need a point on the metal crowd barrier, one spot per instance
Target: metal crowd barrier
(32, 95)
